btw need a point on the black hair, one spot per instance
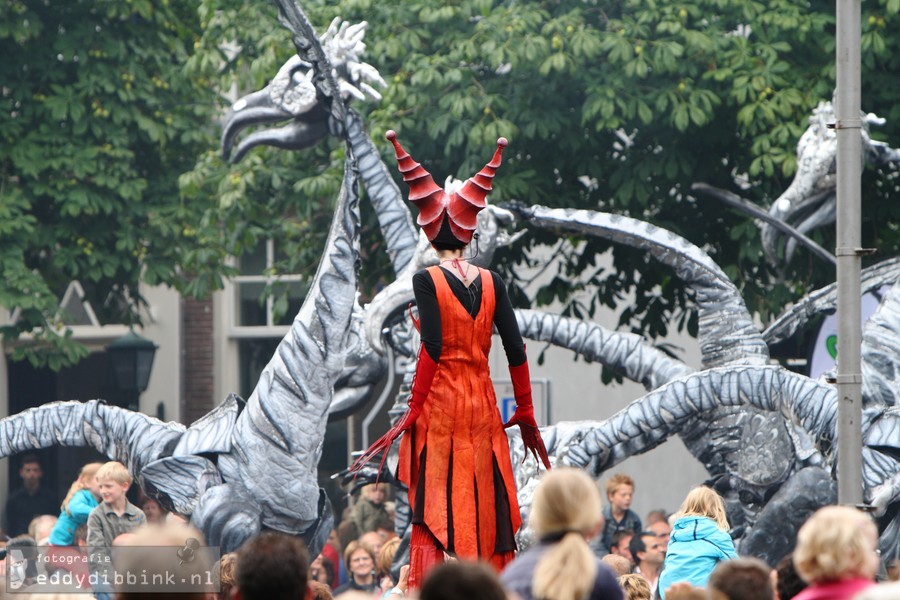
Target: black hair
(637, 543)
(619, 536)
(462, 580)
(789, 582)
(272, 565)
(29, 459)
(445, 240)
(744, 578)
(441, 246)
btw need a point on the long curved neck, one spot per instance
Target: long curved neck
(394, 219)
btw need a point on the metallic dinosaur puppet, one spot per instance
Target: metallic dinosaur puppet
(735, 402)
(266, 450)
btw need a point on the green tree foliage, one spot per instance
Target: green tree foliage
(622, 105)
(271, 193)
(616, 105)
(98, 121)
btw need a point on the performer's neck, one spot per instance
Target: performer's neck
(449, 254)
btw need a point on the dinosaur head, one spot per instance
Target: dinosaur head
(809, 201)
(292, 97)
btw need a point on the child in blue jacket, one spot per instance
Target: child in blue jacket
(699, 540)
(83, 496)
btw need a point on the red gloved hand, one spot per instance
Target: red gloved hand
(425, 371)
(524, 415)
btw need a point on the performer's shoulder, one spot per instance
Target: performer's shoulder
(499, 284)
(423, 281)
(422, 275)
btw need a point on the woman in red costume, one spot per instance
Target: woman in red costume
(454, 457)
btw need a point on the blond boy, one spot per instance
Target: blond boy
(114, 515)
(369, 509)
(618, 518)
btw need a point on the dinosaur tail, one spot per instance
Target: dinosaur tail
(727, 333)
(133, 439)
(649, 421)
(625, 353)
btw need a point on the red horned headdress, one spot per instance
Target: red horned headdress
(460, 209)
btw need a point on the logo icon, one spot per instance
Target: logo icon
(187, 553)
(17, 569)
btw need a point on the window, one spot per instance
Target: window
(259, 323)
(256, 270)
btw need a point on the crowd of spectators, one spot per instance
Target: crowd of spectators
(591, 549)
(71, 544)
(584, 549)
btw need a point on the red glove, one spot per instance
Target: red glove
(524, 415)
(425, 371)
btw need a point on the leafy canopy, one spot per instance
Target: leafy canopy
(110, 170)
(97, 122)
(620, 106)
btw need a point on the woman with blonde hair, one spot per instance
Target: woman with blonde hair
(383, 563)
(698, 542)
(359, 559)
(836, 553)
(565, 512)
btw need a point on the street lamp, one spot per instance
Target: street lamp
(130, 360)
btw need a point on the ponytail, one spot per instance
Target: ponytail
(73, 489)
(565, 507)
(566, 571)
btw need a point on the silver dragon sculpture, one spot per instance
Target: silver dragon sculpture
(251, 465)
(810, 201)
(764, 433)
(757, 456)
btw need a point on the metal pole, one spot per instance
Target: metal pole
(849, 168)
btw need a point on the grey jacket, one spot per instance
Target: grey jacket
(517, 576)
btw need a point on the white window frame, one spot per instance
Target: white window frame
(270, 329)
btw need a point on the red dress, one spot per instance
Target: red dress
(457, 453)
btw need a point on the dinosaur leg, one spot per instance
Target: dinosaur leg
(425, 552)
(227, 517)
(775, 532)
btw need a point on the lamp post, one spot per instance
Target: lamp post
(130, 362)
(848, 124)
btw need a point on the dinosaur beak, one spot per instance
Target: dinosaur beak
(805, 210)
(258, 109)
(253, 109)
(798, 202)
(809, 201)
(290, 96)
